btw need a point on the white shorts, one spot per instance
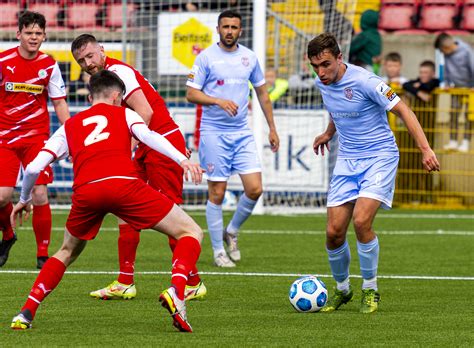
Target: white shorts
(224, 154)
(372, 177)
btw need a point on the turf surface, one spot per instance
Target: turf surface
(251, 308)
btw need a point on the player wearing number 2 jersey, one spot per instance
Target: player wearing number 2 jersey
(159, 171)
(27, 78)
(105, 181)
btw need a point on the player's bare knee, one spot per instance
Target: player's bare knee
(361, 224)
(6, 194)
(39, 195)
(335, 236)
(254, 193)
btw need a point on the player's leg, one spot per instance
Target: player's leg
(41, 222)
(166, 176)
(180, 226)
(9, 236)
(339, 254)
(252, 191)
(124, 286)
(215, 222)
(47, 280)
(377, 188)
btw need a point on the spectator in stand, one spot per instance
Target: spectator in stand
(366, 46)
(423, 104)
(392, 66)
(301, 84)
(458, 72)
(277, 87)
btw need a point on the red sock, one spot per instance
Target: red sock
(127, 250)
(42, 228)
(193, 277)
(185, 256)
(47, 280)
(5, 221)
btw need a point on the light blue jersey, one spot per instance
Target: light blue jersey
(357, 104)
(225, 75)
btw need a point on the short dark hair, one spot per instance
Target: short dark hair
(428, 64)
(441, 39)
(324, 41)
(105, 81)
(81, 41)
(229, 14)
(393, 57)
(28, 18)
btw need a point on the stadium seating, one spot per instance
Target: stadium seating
(50, 9)
(467, 21)
(438, 15)
(398, 14)
(9, 17)
(82, 14)
(114, 15)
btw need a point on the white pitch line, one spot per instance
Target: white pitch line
(439, 215)
(317, 233)
(251, 274)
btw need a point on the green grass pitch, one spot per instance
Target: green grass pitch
(248, 305)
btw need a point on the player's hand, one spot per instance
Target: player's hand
(192, 171)
(228, 106)
(430, 162)
(274, 140)
(17, 211)
(320, 142)
(188, 153)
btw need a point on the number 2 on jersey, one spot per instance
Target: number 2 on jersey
(96, 135)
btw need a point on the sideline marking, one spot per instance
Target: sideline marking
(251, 274)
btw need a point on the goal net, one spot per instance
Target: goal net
(162, 38)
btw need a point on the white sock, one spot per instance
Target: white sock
(343, 286)
(370, 283)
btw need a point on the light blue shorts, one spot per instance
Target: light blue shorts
(224, 154)
(372, 177)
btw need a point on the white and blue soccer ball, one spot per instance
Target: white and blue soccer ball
(308, 294)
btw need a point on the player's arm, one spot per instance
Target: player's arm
(430, 162)
(57, 93)
(159, 143)
(62, 110)
(266, 105)
(55, 148)
(321, 141)
(196, 96)
(138, 102)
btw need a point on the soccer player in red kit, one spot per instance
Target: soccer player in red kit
(106, 181)
(27, 77)
(159, 171)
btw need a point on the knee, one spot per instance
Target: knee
(4, 200)
(39, 195)
(254, 193)
(361, 224)
(335, 236)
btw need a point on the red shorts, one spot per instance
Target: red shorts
(130, 199)
(11, 156)
(160, 171)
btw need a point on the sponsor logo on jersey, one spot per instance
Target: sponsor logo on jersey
(348, 93)
(390, 95)
(42, 73)
(23, 87)
(245, 61)
(191, 77)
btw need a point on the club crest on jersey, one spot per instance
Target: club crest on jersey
(42, 73)
(245, 61)
(210, 168)
(220, 82)
(348, 93)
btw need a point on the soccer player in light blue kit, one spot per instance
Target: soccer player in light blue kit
(219, 80)
(366, 166)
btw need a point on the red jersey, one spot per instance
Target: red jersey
(161, 122)
(99, 143)
(24, 88)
